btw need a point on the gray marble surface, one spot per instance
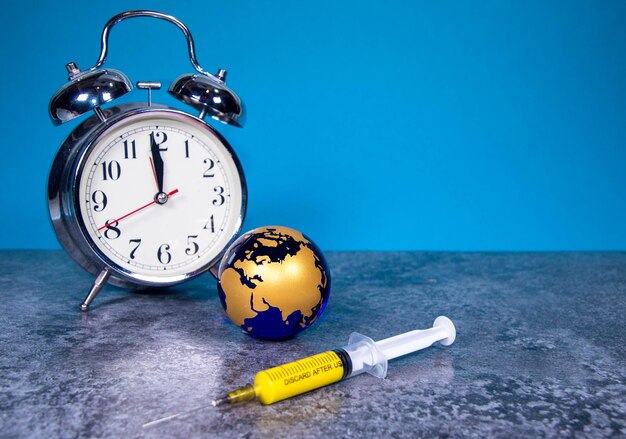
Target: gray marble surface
(540, 351)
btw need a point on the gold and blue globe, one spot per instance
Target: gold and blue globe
(273, 282)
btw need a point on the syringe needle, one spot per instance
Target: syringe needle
(177, 415)
(244, 394)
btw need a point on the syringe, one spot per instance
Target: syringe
(361, 354)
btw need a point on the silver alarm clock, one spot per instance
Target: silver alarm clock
(145, 195)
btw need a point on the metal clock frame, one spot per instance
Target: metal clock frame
(63, 199)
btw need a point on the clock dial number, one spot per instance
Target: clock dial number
(111, 230)
(134, 241)
(187, 148)
(130, 149)
(99, 199)
(163, 255)
(209, 173)
(210, 225)
(154, 140)
(219, 190)
(190, 251)
(111, 170)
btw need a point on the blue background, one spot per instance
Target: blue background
(389, 125)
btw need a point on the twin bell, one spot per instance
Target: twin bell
(88, 90)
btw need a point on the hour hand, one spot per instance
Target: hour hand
(157, 163)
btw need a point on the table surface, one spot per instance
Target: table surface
(540, 351)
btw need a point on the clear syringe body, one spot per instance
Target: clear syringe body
(360, 355)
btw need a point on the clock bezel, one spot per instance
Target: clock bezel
(63, 196)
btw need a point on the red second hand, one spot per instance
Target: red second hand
(108, 223)
(156, 181)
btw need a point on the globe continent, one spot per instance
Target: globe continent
(273, 282)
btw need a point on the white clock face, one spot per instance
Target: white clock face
(160, 195)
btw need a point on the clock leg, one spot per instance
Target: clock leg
(100, 282)
(215, 269)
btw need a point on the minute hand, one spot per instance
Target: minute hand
(157, 162)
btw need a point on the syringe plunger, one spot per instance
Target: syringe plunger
(372, 357)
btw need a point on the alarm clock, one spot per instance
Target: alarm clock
(144, 195)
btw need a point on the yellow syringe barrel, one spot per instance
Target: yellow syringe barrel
(290, 379)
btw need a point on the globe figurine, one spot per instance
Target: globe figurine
(273, 282)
